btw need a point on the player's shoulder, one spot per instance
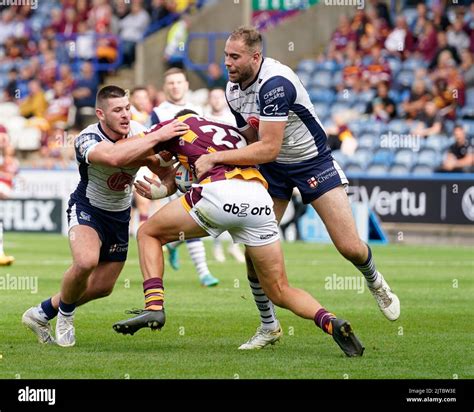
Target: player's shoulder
(91, 132)
(272, 68)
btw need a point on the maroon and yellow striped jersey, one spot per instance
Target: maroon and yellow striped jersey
(206, 136)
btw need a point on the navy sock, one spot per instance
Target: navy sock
(368, 268)
(48, 309)
(66, 309)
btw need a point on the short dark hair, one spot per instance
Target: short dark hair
(138, 89)
(109, 92)
(174, 70)
(184, 112)
(250, 36)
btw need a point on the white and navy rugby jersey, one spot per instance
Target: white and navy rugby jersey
(107, 188)
(278, 95)
(167, 111)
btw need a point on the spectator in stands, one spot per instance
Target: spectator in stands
(419, 96)
(444, 46)
(460, 155)
(467, 68)
(427, 42)
(382, 107)
(382, 12)
(35, 104)
(378, 69)
(66, 76)
(431, 122)
(70, 22)
(85, 42)
(457, 37)
(100, 14)
(85, 91)
(400, 41)
(214, 77)
(141, 105)
(343, 35)
(158, 10)
(418, 24)
(11, 92)
(339, 135)
(131, 30)
(175, 43)
(217, 108)
(439, 18)
(59, 105)
(48, 69)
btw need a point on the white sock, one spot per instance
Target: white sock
(264, 306)
(198, 255)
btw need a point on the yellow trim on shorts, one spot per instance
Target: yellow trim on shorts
(185, 204)
(246, 174)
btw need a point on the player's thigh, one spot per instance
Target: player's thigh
(85, 245)
(104, 277)
(269, 264)
(171, 222)
(335, 211)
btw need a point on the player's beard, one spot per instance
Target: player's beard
(245, 75)
(116, 129)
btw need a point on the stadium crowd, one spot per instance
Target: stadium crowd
(389, 89)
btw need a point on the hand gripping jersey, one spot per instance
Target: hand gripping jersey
(104, 187)
(278, 95)
(205, 137)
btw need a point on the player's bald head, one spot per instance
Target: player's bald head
(249, 36)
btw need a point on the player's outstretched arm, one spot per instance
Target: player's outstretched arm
(127, 151)
(264, 151)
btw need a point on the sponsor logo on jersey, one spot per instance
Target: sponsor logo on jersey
(244, 210)
(120, 181)
(273, 94)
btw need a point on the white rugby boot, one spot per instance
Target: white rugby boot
(262, 338)
(38, 324)
(65, 330)
(388, 302)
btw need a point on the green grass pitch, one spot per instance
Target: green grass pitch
(432, 339)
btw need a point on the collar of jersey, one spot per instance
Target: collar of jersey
(256, 77)
(105, 134)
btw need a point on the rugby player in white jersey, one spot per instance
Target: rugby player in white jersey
(176, 87)
(273, 110)
(108, 154)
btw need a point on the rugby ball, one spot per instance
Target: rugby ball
(184, 179)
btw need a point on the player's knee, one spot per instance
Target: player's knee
(353, 251)
(102, 291)
(84, 266)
